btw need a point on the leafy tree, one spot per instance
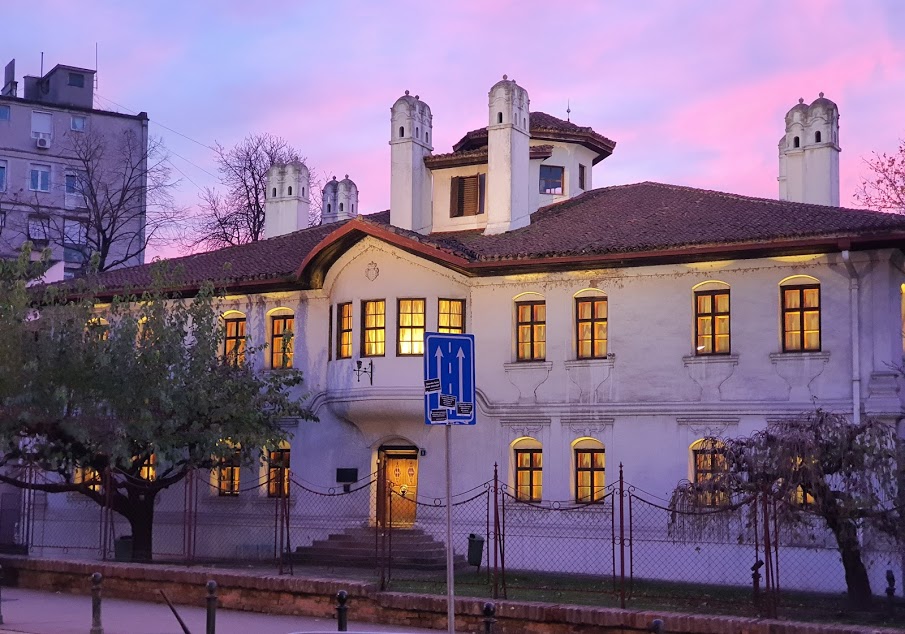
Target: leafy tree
(92, 398)
(820, 467)
(234, 213)
(884, 188)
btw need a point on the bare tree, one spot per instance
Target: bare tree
(884, 188)
(234, 213)
(118, 190)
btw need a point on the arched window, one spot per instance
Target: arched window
(417, 132)
(303, 191)
(290, 190)
(711, 318)
(800, 305)
(499, 117)
(353, 208)
(591, 324)
(590, 470)
(817, 137)
(427, 138)
(340, 206)
(401, 131)
(329, 208)
(282, 338)
(274, 194)
(234, 326)
(708, 464)
(796, 142)
(528, 460)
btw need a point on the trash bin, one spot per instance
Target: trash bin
(122, 548)
(475, 549)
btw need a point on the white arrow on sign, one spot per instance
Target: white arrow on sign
(460, 355)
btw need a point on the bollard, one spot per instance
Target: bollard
(96, 627)
(489, 613)
(211, 607)
(890, 592)
(656, 626)
(342, 611)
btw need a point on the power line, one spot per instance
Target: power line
(155, 122)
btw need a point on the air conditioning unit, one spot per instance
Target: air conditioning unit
(42, 142)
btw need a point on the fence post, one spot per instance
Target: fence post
(1, 596)
(489, 613)
(621, 538)
(342, 611)
(496, 531)
(211, 607)
(96, 627)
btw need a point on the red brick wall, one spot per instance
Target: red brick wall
(316, 597)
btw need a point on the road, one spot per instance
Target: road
(37, 612)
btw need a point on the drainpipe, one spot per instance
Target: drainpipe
(854, 290)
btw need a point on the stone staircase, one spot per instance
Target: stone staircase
(412, 549)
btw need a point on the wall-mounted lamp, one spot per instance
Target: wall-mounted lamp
(359, 370)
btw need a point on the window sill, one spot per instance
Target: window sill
(608, 361)
(802, 355)
(707, 359)
(516, 366)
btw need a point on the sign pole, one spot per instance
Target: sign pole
(450, 590)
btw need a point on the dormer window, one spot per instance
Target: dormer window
(551, 179)
(467, 195)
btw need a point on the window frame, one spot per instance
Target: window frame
(458, 203)
(4, 108)
(73, 127)
(593, 321)
(713, 314)
(596, 493)
(278, 487)
(708, 447)
(35, 220)
(532, 468)
(75, 79)
(283, 318)
(533, 324)
(342, 332)
(801, 310)
(236, 355)
(229, 470)
(450, 329)
(582, 177)
(412, 327)
(364, 328)
(542, 180)
(4, 173)
(37, 168)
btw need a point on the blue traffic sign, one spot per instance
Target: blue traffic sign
(449, 379)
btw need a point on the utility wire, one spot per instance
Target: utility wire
(155, 122)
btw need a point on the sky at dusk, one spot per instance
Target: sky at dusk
(693, 92)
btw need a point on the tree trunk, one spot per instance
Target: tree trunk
(141, 520)
(856, 579)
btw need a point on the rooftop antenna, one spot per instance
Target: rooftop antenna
(42, 63)
(95, 67)
(568, 110)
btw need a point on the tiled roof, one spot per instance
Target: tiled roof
(647, 218)
(478, 156)
(546, 126)
(657, 217)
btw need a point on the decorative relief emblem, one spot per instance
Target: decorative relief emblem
(372, 271)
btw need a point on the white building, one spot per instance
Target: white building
(613, 325)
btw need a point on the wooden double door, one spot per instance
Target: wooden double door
(397, 486)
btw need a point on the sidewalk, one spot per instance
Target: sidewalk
(37, 612)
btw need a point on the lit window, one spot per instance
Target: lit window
(227, 474)
(77, 123)
(373, 328)
(591, 327)
(801, 318)
(711, 322)
(281, 336)
(551, 178)
(87, 476)
(531, 331)
(528, 471)
(708, 464)
(467, 195)
(410, 327)
(4, 113)
(234, 340)
(451, 316)
(278, 472)
(581, 176)
(39, 180)
(77, 80)
(344, 331)
(590, 471)
(148, 470)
